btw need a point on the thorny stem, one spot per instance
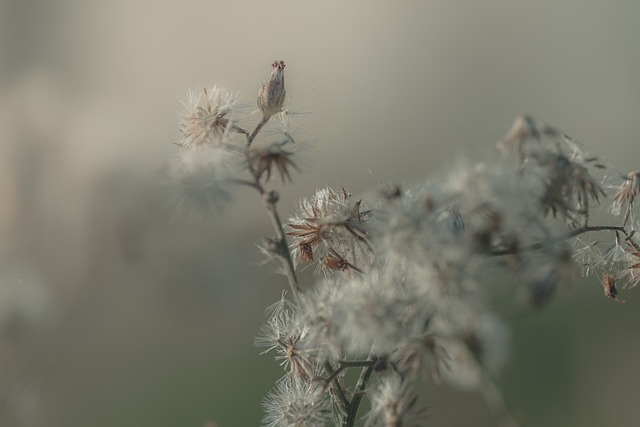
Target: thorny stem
(562, 238)
(270, 200)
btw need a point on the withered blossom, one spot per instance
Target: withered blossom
(207, 118)
(330, 224)
(626, 195)
(631, 273)
(297, 402)
(394, 403)
(265, 159)
(284, 333)
(568, 186)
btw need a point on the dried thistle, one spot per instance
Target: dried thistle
(274, 156)
(394, 403)
(632, 272)
(207, 117)
(284, 333)
(626, 195)
(330, 224)
(568, 186)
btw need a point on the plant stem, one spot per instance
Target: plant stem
(270, 199)
(559, 239)
(358, 394)
(253, 135)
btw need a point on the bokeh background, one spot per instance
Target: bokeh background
(113, 314)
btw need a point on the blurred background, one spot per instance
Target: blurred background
(113, 314)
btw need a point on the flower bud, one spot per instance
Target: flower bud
(271, 94)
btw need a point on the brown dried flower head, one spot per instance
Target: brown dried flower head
(274, 156)
(330, 227)
(272, 93)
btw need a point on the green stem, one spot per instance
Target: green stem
(358, 394)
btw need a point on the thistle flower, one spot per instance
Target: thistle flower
(330, 223)
(274, 156)
(568, 186)
(296, 402)
(271, 94)
(626, 195)
(394, 403)
(631, 274)
(284, 332)
(208, 117)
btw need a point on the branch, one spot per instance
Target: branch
(270, 199)
(561, 238)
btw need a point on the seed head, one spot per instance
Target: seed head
(626, 195)
(208, 116)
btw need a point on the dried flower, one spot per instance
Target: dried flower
(208, 117)
(284, 332)
(330, 223)
(626, 195)
(296, 402)
(568, 186)
(632, 273)
(274, 156)
(394, 403)
(271, 94)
